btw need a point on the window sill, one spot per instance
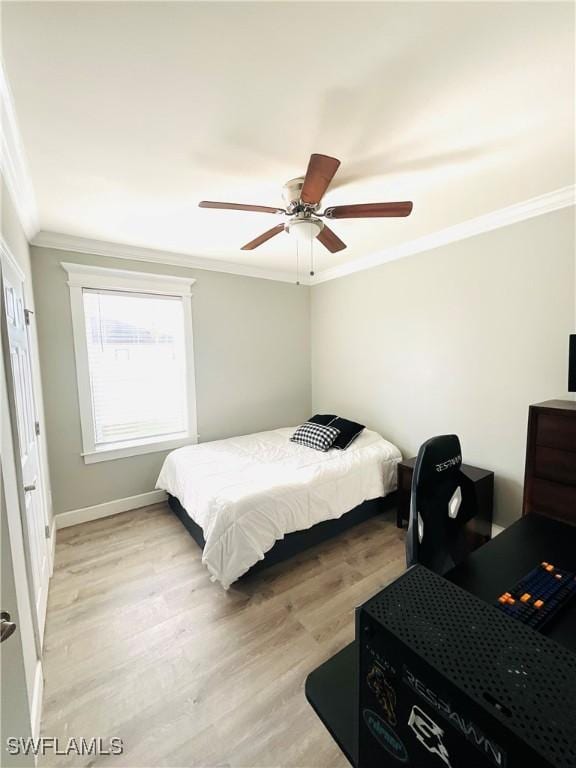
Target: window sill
(137, 447)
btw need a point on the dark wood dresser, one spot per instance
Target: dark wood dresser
(550, 479)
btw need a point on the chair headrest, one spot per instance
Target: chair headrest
(438, 457)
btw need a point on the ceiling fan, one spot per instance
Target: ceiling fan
(302, 197)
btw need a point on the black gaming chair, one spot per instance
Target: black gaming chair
(441, 503)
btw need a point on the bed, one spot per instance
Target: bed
(260, 495)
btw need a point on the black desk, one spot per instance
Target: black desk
(487, 573)
(498, 565)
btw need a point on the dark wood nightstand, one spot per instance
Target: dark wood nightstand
(483, 479)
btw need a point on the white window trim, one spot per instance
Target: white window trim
(82, 276)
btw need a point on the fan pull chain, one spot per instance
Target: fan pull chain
(311, 256)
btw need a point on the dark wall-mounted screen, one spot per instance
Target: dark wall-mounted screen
(572, 364)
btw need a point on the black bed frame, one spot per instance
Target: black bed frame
(298, 541)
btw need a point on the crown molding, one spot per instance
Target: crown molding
(74, 244)
(13, 163)
(535, 206)
(512, 214)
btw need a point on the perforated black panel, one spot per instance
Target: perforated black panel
(489, 656)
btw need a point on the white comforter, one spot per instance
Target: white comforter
(247, 492)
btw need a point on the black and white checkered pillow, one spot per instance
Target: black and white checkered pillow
(315, 436)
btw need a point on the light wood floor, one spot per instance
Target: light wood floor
(140, 644)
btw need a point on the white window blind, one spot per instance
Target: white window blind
(137, 365)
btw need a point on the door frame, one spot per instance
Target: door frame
(6, 257)
(34, 681)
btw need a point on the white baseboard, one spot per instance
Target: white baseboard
(496, 529)
(85, 514)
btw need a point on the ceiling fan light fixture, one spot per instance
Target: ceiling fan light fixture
(304, 229)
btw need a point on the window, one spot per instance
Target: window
(134, 360)
(137, 365)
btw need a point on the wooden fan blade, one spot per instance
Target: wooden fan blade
(321, 170)
(330, 240)
(368, 210)
(240, 207)
(263, 237)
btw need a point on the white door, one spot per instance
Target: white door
(25, 420)
(15, 719)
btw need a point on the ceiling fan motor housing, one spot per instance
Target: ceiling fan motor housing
(291, 191)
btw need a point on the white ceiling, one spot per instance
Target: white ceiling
(133, 112)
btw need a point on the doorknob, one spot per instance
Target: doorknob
(7, 627)
(31, 487)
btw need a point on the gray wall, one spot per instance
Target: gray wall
(252, 359)
(12, 231)
(462, 338)
(459, 339)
